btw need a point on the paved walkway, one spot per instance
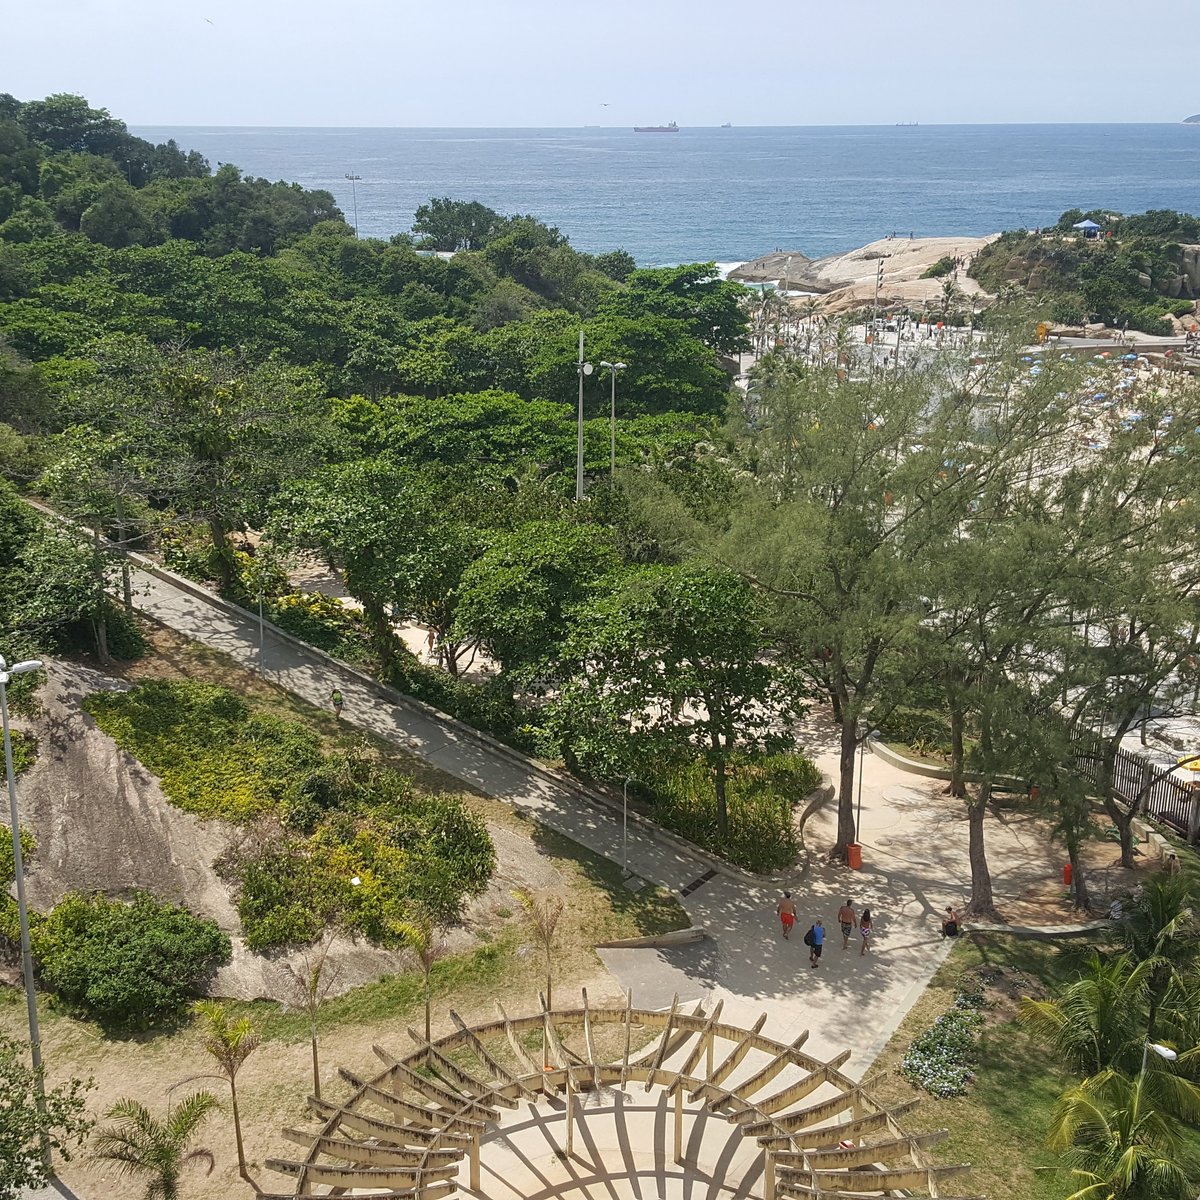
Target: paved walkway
(914, 861)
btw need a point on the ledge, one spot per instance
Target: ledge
(673, 937)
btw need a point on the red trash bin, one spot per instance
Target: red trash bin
(1066, 874)
(854, 856)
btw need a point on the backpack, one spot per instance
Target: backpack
(810, 935)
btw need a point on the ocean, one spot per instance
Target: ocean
(728, 195)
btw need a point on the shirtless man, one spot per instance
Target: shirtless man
(786, 909)
(848, 919)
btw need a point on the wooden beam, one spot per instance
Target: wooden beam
(703, 1044)
(907, 1178)
(514, 1045)
(735, 1056)
(422, 1134)
(371, 1152)
(359, 1177)
(875, 1152)
(498, 1069)
(662, 1045)
(779, 1063)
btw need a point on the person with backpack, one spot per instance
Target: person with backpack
(814, 939)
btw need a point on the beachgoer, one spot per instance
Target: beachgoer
(1172, 864)
(818, 942)
(848, 919)
(335, 698)
(786, 909)
(950, 923)
(429, 640)
(864, 929)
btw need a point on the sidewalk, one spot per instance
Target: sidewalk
(915, 860)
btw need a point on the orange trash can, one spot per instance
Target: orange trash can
(854, 856)
(1066, 874)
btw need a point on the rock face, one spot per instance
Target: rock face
(847, 281)
(1192, 120)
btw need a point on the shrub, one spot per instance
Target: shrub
(321, 621)
(761, 795)
(943, 266)
(130, 965)
(24, 751)
(487, 706)
(214, 756)
(923, 729)
(942, 1059)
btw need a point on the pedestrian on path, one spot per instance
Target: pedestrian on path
(786, 909)
(335, 698)
(865, 931)
(817, 944)
(848, 919)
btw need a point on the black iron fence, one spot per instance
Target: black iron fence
(1136, 780)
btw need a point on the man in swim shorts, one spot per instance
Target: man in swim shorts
(786, 909)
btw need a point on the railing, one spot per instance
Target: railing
(1166, 799)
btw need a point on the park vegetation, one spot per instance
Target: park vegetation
(1130, 276)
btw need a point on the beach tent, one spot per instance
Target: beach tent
(1090, 228)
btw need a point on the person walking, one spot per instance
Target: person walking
(335, 698)
(865, 931)
(817, 944)
(786, 908)
(848, 919)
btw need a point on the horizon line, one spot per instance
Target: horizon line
(682, 128)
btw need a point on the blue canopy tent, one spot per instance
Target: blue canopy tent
(1090, 228)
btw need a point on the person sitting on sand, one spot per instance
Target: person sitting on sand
(950, 923)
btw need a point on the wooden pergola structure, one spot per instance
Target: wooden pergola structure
(404, 1133)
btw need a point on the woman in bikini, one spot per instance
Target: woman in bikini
(864, 928)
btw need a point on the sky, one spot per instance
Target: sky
(563, 63)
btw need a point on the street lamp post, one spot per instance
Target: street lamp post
(1163, 1052)
(354, 181)
(612, 369)
(584, 369)
(35, 1037)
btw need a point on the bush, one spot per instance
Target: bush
(321, 621)
(214, 755)
(24, 751)
(926, 731)
(760, 794)
(942, 1059)
(128, 965)
(422, 855)
(487, 706)
(942, 267)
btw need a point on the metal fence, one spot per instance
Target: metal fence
(1166, 799)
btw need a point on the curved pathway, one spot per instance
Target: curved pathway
(914, 855)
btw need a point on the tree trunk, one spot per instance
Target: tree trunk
(722, 802)
(1079, 886)
(428, 1012)
(126, 579)
(958, 786)
(237, 1132)
(846, 826)
(982, 902)
(382, 636)
(315, 1064)
(100, 623)
(222, 556)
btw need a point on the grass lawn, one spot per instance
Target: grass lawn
(999, 1127)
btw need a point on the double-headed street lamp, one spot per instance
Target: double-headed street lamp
(612, 369)
(35, 1037)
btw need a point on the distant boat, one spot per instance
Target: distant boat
(727, 125)
(672, 128)
(906, 124)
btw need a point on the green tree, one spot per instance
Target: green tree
(22, 1126)
(230, 1043)
(419, 935)
(515, 597)
(674, 658)
(450, 225)
(156, 1150)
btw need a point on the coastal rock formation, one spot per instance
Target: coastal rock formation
(847, 281)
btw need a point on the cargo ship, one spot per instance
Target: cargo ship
(672, 128)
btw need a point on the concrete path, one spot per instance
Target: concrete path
(914, 861)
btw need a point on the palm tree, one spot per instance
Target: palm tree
(310, 987)
(142, 1145)
(1123, 1136)
(1160, 930)
(419, 936)
(544, 913)
(230, 1043)
(1098, 1020)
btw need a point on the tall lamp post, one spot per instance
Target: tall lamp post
(354, 181)
(35, 1037)
(612, 369)
(584, 369)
